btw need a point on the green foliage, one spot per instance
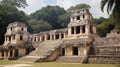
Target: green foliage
(104, 28)
(9, 14)
(79, 6)
(98, 20)
(38, 26)
(64, 19)
(15, 3)
(113, 6)
(50, 14)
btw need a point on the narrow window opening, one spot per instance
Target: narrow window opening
(78, 30)
(21, 37)
(78, 17)
(83, 29)
(72, 30)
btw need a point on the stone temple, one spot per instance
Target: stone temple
(78, 43)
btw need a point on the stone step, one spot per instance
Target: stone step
(70, 59)
(104, 59)
(45, 49)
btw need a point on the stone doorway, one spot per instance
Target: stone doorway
(75, 50)
(63, 51)
(11, 53)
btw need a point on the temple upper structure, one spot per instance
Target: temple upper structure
(81, 25)
(16, 33)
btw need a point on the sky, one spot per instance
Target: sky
(38, 4)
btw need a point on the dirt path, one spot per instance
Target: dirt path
(16, 65)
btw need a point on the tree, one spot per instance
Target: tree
(39, 25)
(50, 14)
(9, 13)
(64, 19)
(79, 6)
(15, 3)
(104, 28)
(114, 7)
(98, 20)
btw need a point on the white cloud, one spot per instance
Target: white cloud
(95, 6)
(33, 6)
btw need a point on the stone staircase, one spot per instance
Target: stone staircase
(107, 51)
(44, 50)
(70, 59)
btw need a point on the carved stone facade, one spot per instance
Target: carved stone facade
(76, 43)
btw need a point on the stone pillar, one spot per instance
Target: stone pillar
(75, 18)
(45, 37)
(87, 29)
(64, 35)
(85, 52)
(37, 39)
(69, 31)
(94, 29)
(50, 36)
(13, 51)
(40, 38)
(71, 18)
(8, 53)
(60, 36)
(5, 55)
(75, 30)
(68, 51)
(81, 28)
(54, 37)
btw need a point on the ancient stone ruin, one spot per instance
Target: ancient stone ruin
(78, 43)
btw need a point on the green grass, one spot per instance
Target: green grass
(55, 64)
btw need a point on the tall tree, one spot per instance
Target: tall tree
(114, 7)
(50, 14)
(15, 3)
(8, 14)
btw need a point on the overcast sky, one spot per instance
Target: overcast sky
(38, 4)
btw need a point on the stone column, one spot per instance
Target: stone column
(75, 18)
(13, 53)
(68, 51)
(69, 31)
(94, 29)
(8, 53)
(87, 29)
(37, 39)
(45, 37)
(75, 30)
(40, 38)
(60, 36)
(5, 54)
(64, 35)
(71, 18)
(54, 37)
(81, 28)
(50, 36)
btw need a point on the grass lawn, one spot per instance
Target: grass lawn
(51, 64)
